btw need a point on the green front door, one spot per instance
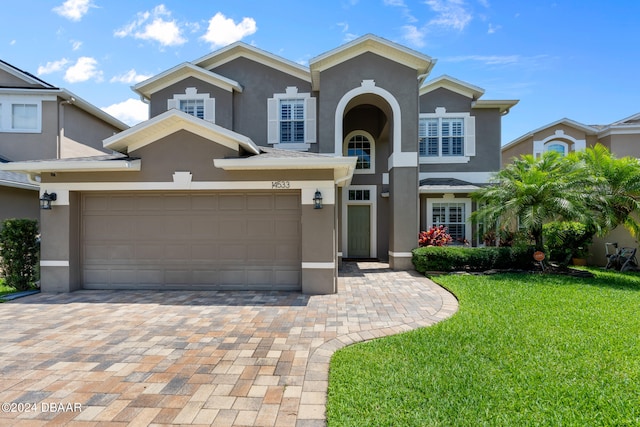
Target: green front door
(359, 231)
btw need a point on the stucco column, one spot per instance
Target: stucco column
(319, 264)
(403, 216)
(58, 248)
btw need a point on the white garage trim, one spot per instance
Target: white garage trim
(50, 263)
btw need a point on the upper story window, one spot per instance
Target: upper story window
(446, 137)
(558, 147)
(291, 118)
(360, 144)
(20, 114)
(200, 105)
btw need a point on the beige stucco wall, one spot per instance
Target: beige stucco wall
(619, 235)
(19, 203)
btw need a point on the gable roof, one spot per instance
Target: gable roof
(180, 72)
(173, 121)
(454, 85)
(589, 130)
(371, 43)
(243, 50)
(629, 126)
(24, 75)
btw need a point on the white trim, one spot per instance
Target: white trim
(308, 188)
(540, 146)
(454, 85)
(309, 118)
(385, 178)
(473, 177)
(191, 94)
(372, 146)
(319, 265)
(373, 217)
(52, 263)
(369, 86)
(71, 165)
(403, 160)
(6, 114)
(469, 139)
(620, 129)
(172, 121)
(400, 254)
(449, 198)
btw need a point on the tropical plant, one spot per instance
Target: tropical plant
(435, 236)
(616, 197)
(567, 240)
(533, 191)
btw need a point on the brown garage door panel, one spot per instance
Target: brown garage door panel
(191, 240)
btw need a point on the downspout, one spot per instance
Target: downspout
(69, 101)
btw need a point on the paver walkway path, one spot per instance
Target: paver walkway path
(211, 358)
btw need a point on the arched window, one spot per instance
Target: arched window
(360, 144)
(558, 147)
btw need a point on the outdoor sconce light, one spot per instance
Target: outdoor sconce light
(46, 199)
(317, 200)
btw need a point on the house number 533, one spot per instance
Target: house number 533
(280, 184)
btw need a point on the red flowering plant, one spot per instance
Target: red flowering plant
(435, 236)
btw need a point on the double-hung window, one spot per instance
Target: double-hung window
(291, 120)
(20, 114)
(446, 137)
(199, 105)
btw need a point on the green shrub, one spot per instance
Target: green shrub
(19, 252)
(471, 259)
(566, 240)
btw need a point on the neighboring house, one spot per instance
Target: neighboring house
(40, 121)
(216, 190)
(622, 138)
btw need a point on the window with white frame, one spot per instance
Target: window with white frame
(199, 105)
(446, 137)
(359, 194)
(360, 144)
(291, 118)
(557, 146)
(20, 114)
(452, 213)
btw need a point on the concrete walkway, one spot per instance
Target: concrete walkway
(210, 358)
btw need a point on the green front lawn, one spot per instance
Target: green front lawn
(5, 289)
(522, 350)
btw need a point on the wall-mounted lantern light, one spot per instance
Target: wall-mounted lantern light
(46, 199)
(317, 200)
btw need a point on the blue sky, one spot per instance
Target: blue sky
(578, 59)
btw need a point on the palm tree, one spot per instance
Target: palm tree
(618, 189)
(531, 192)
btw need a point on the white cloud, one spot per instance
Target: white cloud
(449, 14)
(155, 25)
(12, 42)
(493, 28)
(86, 68)
(132, 111)
(52, 67)
(399, 3)
(223, 31)
(413, 35)
(75, 44)
(73, 10)
(129, 77)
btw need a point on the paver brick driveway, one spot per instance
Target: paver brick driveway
(210, 358)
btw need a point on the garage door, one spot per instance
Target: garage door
(198, 240)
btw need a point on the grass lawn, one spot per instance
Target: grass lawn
(6, 289)
(522, 350)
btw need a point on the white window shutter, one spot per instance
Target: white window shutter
(273, 130)
(470, 136)
(310, 120)
(210, 110)
(172, 103)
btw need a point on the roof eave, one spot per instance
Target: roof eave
(73, 166)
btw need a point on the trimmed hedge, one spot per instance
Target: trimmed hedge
(19, 252)
(451, 258)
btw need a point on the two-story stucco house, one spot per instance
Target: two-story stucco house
(40, 121)
(220, 188)
(622, 138)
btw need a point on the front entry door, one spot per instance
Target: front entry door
(359, 231)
